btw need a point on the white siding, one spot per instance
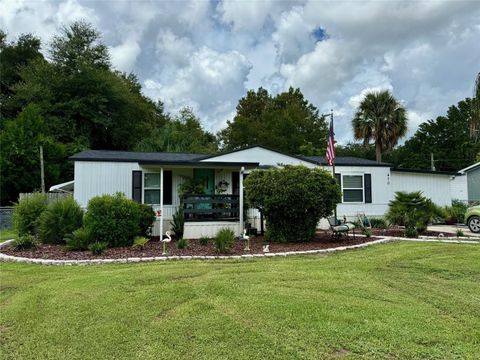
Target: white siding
(459, 188)
(195, 230)
(381, 191)
(433, 186)
(94, 178)
(260, 155)
(224, 175)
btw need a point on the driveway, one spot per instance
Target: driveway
(453, 229)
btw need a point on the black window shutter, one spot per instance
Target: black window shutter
(338, 177)
(167, 187)
(368, 188)
(137, 186)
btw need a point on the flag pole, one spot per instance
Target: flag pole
(333, 164)
(330, 155)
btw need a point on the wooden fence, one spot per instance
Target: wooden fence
(51, 196)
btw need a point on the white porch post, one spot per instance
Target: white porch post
(161, 204)
(241, 225)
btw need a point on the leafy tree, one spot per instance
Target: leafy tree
(293, 199)
(475, 120)
(184, 133)
(287, 122)
(81, 98)
(19, 155)
(447, 138)
(15, 56)
(380, 118)
(78, 46)
(356, 150)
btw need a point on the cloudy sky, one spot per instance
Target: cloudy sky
(207, 54)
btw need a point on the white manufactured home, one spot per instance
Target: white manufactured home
(154, 178)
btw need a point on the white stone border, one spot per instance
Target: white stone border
(9, 258)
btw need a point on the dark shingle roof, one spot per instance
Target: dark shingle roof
(185, 158)
(131, 156)
(347, 161)
(157, 158)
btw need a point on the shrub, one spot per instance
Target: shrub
(204, 240)
(26, 214)
(79, 239)
(412, 210)
(140, 242)
(113, 219)
(97, 248)
(411, 232)
(178, 223)
(293, 200)
(60, 218)
(182, 243)
(456, 212)
(224, 240)
(24, 242)
(460, 233)
(460, 210)
(367, 232)
(146, 219)
(378, 223)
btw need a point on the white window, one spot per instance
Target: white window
(352, 187)
(151, 186)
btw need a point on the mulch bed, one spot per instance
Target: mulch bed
(154, 248)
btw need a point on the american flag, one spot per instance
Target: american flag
(330, 157)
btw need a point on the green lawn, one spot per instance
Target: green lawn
(7, 234)
(393, 301)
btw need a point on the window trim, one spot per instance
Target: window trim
(362, 175)
(145, 188)
(159, 188)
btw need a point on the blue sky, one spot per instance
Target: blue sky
(206, 55)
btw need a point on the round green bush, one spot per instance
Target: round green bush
(61, 218)
(26, 214)
(113, 219)
(293, 200)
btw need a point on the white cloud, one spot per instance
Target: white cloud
(172, 48)
(124, 55)
(206, 54)
(210, 83)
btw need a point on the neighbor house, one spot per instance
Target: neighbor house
(154, 178)
(466, 185)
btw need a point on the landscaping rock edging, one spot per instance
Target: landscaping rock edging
(9, 258)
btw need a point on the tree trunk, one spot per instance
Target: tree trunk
(378, 152)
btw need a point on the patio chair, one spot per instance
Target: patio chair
(338, 228)
(363, 220)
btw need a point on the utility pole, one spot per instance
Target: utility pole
(42, 172)
(432, 162)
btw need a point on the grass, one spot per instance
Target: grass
(396, 301)
(7, 234)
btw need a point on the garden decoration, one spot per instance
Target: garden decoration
(247, 240)
(165, 241)
(266, 248)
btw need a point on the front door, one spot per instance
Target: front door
(207, 178)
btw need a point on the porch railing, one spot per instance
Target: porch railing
(211, 207)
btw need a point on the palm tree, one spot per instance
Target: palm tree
(381, 118)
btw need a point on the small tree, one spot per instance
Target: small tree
(293, 200)
(412, 210)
